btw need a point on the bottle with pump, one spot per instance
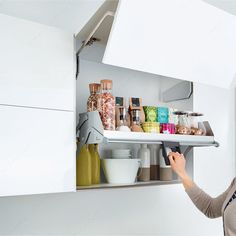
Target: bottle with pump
(165, 170)
(154, 163)
(144, 156)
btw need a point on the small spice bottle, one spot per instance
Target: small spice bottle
(135, 124)
(123, 126)
(93, 100)
(107, 103)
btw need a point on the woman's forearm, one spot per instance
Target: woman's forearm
(177, 162)
(186, 180)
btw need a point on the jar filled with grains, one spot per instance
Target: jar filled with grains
(107, 102)
(93, 100)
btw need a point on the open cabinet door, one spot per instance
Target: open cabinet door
(188, 40)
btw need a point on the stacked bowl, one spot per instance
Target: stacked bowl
(121, 169)
(121, 153)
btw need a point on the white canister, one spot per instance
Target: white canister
(154, 161)
(165, 170)
(144, 156)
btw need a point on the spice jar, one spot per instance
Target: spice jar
(196, 123)
(123, 124)
(93, 100)
(135, 126)
(107, 102)
(183, 126)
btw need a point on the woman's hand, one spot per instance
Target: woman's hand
(178, 162)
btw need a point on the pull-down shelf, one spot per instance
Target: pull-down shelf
(153, 138)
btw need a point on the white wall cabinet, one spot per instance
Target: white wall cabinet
(37, 94)
(37, 108)
(37, 65)
(37, 151)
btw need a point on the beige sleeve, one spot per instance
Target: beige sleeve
(211, 207)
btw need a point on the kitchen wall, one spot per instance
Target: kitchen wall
(156, 210)
(218, 105)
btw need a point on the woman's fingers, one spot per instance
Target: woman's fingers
(174, 154)
(171, 158)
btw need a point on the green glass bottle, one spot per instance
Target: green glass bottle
(93, 149)
(84, 167)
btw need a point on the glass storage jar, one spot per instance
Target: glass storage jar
(107, 103)
(123, 124)
(183, 126)
(93, 100)
(196, 123)
(135, 122)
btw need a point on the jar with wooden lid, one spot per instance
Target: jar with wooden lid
(107, 102)
(197, 125)
(183, 126)
(94, 98)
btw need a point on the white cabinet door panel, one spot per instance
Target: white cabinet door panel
(36, 65)
(169, 38)
(37, 151)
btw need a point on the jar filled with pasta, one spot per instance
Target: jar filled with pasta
(107, 102)
(93, 100)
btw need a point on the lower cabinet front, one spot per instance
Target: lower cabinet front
(37, 151)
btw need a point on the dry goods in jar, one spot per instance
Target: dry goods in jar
(93, 100)
(183, 126)
(121, 112)
(135, 124)
(107, 105)
(136, 104)
(181, 129)
(196, 131)
(197, 126)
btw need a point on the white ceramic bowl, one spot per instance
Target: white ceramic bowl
(120, 171)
